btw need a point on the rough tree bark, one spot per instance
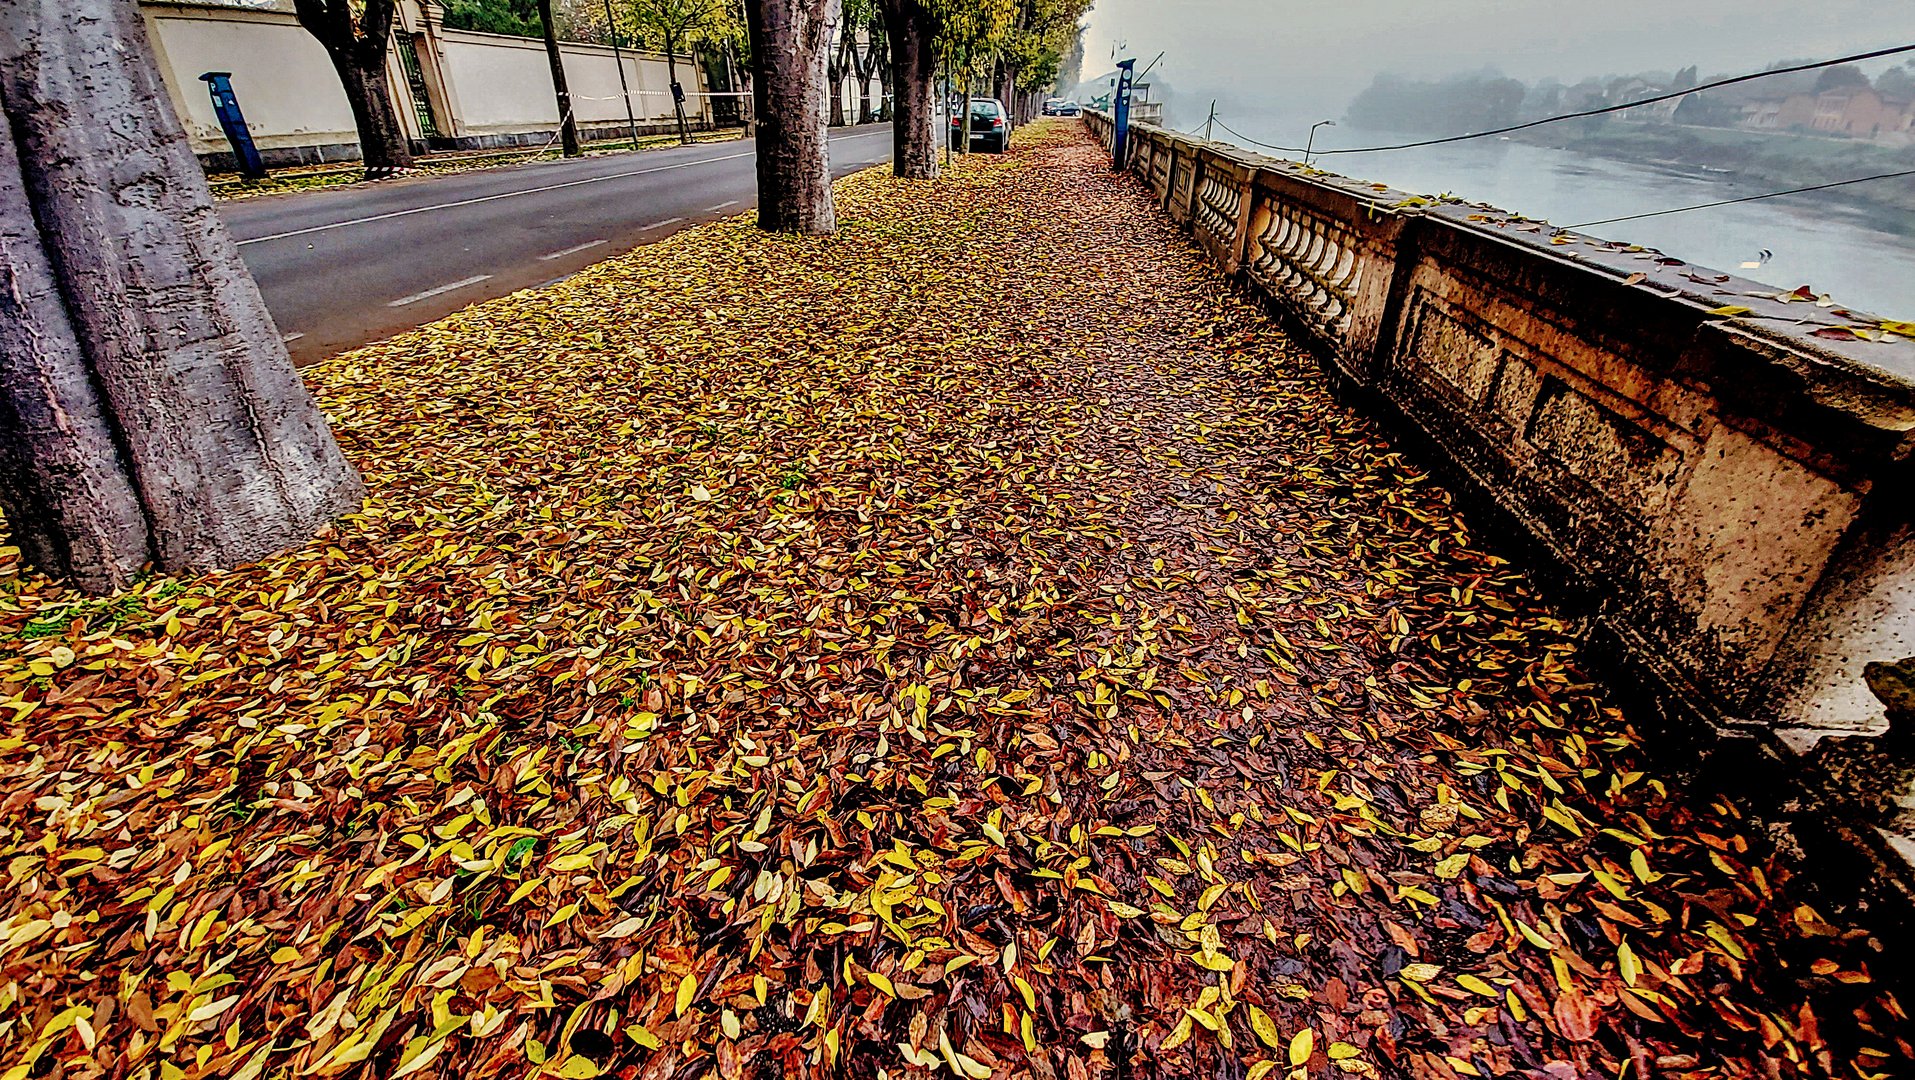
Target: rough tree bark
(568, 124)
(790, 47)
(357, 47)
(72, 506)
(148, 410)
(910, 31)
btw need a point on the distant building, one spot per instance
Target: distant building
(1855, 112)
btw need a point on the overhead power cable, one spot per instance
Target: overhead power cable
(1254, 142)
(1744, 199)
(1874, 54)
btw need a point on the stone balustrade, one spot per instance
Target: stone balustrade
(1723, 494)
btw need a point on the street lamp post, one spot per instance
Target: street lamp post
(1313, 137)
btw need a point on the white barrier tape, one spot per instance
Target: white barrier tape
(664, 93)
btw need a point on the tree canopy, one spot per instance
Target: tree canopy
(518, 17)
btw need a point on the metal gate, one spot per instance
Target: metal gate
(416, 85)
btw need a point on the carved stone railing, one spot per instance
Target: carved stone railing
(1185, 163)
(1155, 167)
(1324, 250)
(1728, 497)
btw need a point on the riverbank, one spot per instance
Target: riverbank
(1775, 160)
(1858, 251)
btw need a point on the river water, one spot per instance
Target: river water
(1863, 255)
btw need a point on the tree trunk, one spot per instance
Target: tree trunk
(836, 117)
(791, 47)
(63, 479)
(357, 43)
(964, 116)
(678, 103)
(148, 410)
(740, 84)
(914, 139)
(383, 145)
(836, 71)
(865, 65)
(568, 124)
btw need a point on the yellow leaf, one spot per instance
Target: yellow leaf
(1535, 938)
(211, 1009)
(1302, 1046)
(882, 983)
(1476, 986)
(687, 987)
(1212, 961)
(578, 1068)
(1265, 1028)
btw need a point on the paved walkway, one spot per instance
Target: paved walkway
(975, 644)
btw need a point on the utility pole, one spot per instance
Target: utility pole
(1210, 122)
(631, 120)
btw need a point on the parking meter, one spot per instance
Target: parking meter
(1120, 112)
(233, 122)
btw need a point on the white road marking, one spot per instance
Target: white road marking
(515, 194)
(662, 224)
(290, 338)
(726, 205)
(430, 293)
(573, 250)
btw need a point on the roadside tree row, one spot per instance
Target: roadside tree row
(150, 417)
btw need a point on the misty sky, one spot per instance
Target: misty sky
(1316, 54)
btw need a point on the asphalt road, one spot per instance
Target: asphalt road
(342, 268)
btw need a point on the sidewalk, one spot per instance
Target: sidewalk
(976, 643)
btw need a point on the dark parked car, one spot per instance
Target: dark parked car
(990, 126)
(1061, 107)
